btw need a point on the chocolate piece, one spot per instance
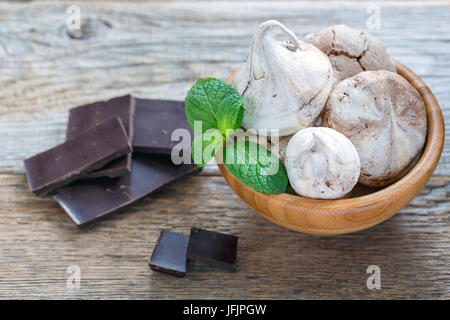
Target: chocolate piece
(169, 255)
(154, 123)
(214, 248)
(88, 116)
(90, 200)
(84, 153)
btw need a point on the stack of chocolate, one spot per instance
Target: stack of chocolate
(115, 153)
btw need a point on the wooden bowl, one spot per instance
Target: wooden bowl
(332, 217)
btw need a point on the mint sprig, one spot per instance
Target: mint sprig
(256, 167)
(216, 104)
(219, 108)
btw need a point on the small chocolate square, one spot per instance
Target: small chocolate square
(214, 248)
(169, 255)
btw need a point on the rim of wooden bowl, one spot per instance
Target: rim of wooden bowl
(333, 217)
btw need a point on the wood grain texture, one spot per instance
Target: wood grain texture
(333, 217)
(157, 50)
(38, 242)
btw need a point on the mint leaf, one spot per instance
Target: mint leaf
(216, 104)
(255, 166)
(205, 146)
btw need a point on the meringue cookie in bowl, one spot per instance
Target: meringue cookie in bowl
(351, 51)
(285, 82)
(384, 116)
(321, 163)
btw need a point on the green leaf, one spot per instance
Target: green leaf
(216, 104)
(255, 166)
(205, 146)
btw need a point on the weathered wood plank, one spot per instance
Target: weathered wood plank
(38, 242)
(158, 50)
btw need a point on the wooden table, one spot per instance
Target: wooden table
(158, 50)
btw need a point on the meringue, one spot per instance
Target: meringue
(284, 82)
(384, 116)
(351, 51)
(321, 163)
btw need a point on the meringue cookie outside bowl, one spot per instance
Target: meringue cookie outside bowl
(373, 206)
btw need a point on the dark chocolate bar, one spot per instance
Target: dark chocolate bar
(169, 255)
(88, 116)
(214, 248)
(84, 153)
(90, 200)
(154, 123)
